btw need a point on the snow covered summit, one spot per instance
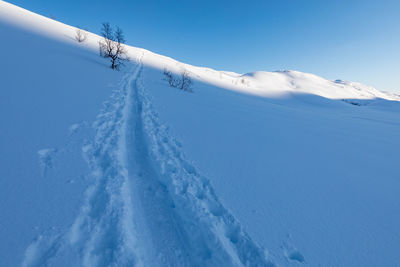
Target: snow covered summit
(106, 168)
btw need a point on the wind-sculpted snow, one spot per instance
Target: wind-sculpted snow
(148, 205)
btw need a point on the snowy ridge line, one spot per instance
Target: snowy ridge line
(102, 234)
(212, 236)
(260, 83)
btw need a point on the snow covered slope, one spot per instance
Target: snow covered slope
(105, 168)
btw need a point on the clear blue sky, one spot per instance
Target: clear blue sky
(350, 40)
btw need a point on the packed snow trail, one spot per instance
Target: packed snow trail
(178, 212)
(148, 205)
(103, 232)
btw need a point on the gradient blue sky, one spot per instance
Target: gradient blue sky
(349, 40)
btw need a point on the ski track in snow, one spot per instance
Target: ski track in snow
(148, 205)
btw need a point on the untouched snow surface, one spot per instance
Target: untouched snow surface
(105, 168)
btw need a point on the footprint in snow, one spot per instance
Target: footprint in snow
(46, 160)
(295, 255)
(291, 252)
(74, 128)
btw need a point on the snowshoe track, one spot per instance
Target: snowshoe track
(148, 205)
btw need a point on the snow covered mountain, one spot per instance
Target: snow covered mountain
(106, 168)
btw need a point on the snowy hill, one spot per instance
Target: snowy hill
(106, 168)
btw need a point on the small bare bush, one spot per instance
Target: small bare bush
(112, 46)
(169, 77)
(183, 82)
(81, 35)
(186, 81)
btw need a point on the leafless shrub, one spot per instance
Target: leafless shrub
(112, 46)
(184, 82)
(169, 77)
(81, 35)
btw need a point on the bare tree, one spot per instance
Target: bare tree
(169, 77)
(81, 35)
(112, 46)
(106, 45)
(186, 81)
